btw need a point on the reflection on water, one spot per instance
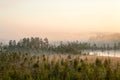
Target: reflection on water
(105, 53)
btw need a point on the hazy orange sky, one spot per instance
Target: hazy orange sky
(57, 19)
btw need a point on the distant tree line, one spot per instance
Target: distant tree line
(27, 44)
(37, 45)
(32, 43)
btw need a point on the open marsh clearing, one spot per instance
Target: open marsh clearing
(14, 66)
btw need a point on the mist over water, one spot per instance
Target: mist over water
(109, 53)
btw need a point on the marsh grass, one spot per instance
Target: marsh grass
(17, 66)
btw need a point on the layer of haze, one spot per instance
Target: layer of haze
(57, 19)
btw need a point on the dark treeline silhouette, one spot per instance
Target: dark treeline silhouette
(29, 44)
(37, 45)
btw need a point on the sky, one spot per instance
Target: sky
(57, 19)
